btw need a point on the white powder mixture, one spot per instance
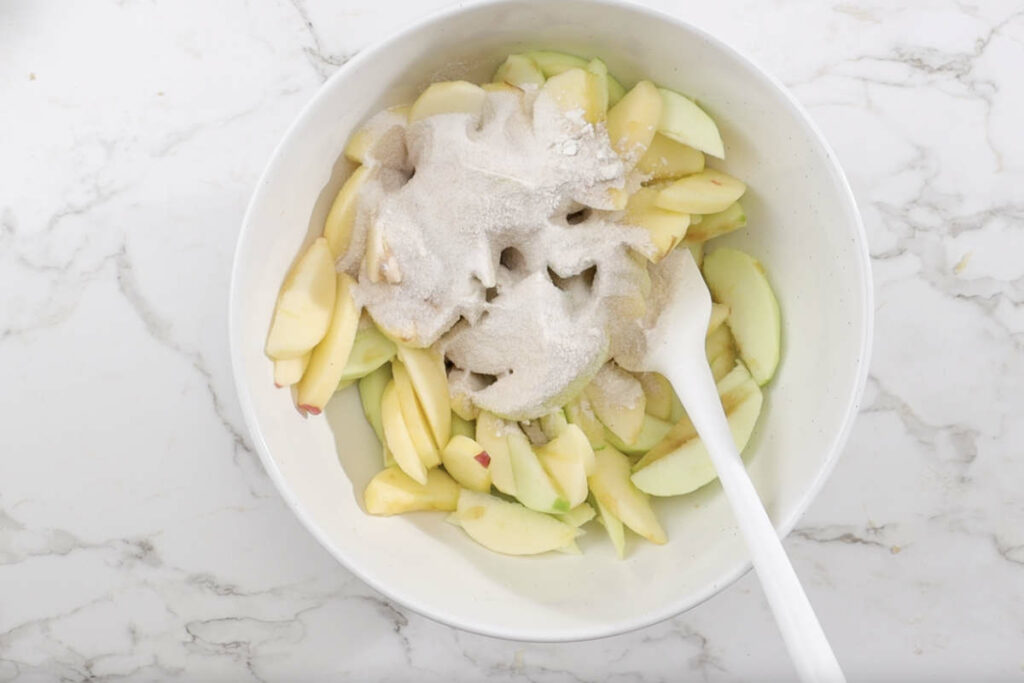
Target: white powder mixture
(494, 234)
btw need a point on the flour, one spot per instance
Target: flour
(462, 237)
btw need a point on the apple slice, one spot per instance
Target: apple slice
(554, 423)
(576, 90)
(392, 492)
(362, 147)
(666, 228)
(468, 463)
(680, 463)
(697, 251)
(430, 379)
(652, 432)
(719, 313)
(666, 159)
(371, 389)
(580, 412)
(501, 87)
(579, 515)
(553, 63)
(520, 71)
(397, 437)
(492, 433)
(510, 528)
(721, 352)
(566, 458)
(415, 420)
(448, 97)
(600, 69)
(304, 306)
(613, 525)
(328, 359)
(659, 393)
(633, 121)
(733, 217)
(342, 216)
(618, 401)
(738, 280)
(685, 122)
(706, 192)
(613, 489)
(288, 372)
(370, 350)
(534, 488)
(463, 427)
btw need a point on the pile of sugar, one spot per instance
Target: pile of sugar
(495, 235)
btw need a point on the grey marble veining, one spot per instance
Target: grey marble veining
(139, 537)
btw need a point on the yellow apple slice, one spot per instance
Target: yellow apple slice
(554, 423)
(500, 87)
(633, 121)
(579, 515)
(412, 414)
(510, 528)
(680, 463)
(613, 489)
(565, 459)
(448, 97)
(463, 427)
(600, 69)
(362, 143)
(304, 306)
(659, 393)
(468, 463)
(651, 433)
(397, 437)
(666, 228)
(580, 412)
(392, 492)
(492, 433)
(430, 379)
(612, 525)
(733, 217)
(738, 280)
(719, 313)
(328, 359)
(342, 216)
(666, 159)
(618, 401)
(576, 90)
(371, 389)
(685, 122)
(520, 71)
(721, 352)
(288, 372)
(534, 487)
(709, 191)
(553, 63)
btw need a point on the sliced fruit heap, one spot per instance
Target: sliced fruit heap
(528, 488)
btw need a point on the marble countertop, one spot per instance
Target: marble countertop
(139, 536)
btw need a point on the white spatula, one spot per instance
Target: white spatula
(675, 348)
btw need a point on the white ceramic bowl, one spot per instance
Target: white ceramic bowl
(803, 224)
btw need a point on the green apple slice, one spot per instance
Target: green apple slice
(580, 412)
(618, 401)
(567, 458)
(733, 217)
(468, 463)
(463, 427)
(371, 389)
(370, 350)
(685, 122)
(534, 487)
(738, 281)
(709, 191)
(510, 528)
(651, 433)
(553, 63)
(491, 433)
(392, 492)
(680, 463)
(554, 423)
(519, 70)
(612, 487)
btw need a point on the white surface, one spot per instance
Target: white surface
(139, 534)
(429, 565)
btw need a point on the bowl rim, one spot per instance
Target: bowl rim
(610, 628)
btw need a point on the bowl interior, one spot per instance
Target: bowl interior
(803, 225)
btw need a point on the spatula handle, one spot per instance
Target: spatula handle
(809, 649)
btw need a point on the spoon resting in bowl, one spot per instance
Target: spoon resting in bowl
(674, 343)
